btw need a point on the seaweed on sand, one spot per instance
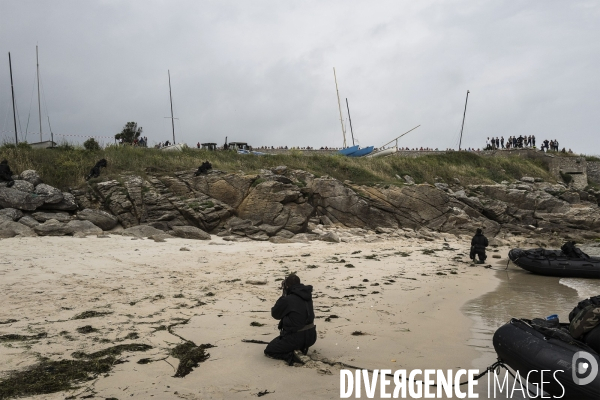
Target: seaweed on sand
(91, 314)
(49, 376)
(190, 356)
(21, 338)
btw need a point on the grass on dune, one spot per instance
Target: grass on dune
(66, 168)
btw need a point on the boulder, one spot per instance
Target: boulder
(141, 231)
(330, 237)
(31, 176)
(100, 218)
(13, 213)
(12, 198)
(190, 232)
(53, 227)
(50, 194)
(23, 186)
(409, 180)
(83, 228)
(41, 216)
(9, 228)
(29, 221)
(68, 203)
(528, 179)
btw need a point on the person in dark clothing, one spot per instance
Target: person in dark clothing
(294, 310)
(95, 171)
(478, 245)
(6, 174)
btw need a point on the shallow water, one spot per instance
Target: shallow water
(521, 294)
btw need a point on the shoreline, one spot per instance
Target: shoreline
(409, 311)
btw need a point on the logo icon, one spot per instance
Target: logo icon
(584, 367)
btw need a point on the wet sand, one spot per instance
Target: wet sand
(407, 304)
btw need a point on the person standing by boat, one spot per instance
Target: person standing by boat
(478, 245)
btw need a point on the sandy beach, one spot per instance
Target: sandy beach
(393, 304)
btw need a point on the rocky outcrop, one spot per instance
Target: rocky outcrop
(292, 205)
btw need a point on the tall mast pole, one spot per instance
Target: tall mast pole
(350, 119)
(463, 123)
(38, 85)
(171, 98)
(340, 107)
(13, 98)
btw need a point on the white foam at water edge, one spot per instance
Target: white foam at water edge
(585, 287)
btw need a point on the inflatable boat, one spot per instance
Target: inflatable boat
(556, 263)
(525, 346)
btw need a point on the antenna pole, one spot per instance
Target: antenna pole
(463, 123)
(340, 107)
(350, 119)
(13, 98)
(38, 85)
(171, 98)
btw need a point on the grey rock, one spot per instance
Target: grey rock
(41, 216)
(23, 186)
(31, 176)
(12, 198)
(50, 194)
(141, 231)
(68, 203)
(29, 221)
(279, 170)
(528, 179)
(160, 237)
(409, 180)
(13, 213)
(99, 218)
(9, 228)
(83, 228)
(285, 234)
(330, 237)
(441, 186)
(190, 232)
(53, 227)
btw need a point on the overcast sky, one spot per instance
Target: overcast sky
(261, 71)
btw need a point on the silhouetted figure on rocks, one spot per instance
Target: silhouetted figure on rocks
(95, 171)
(478, 245)
(6, 173)
(203, 169)
(296, 316)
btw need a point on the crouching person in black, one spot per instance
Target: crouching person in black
(6, 173)
(478, 245)
(95, 171)
(296, 316)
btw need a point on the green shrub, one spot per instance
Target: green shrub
(91, 145)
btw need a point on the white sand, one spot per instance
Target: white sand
(413, 322)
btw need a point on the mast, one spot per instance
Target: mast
(38, 85)
(350, 119)
(13, 98)
(463, 123)
(340, 107)
(171, 98)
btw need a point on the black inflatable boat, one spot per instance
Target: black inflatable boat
(525, 346)
(556, 263)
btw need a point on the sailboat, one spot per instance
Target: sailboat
(174, 146)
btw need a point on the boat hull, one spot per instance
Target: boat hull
(348, 150)
(384, 153)
(362, 152)
(524, 349)
(555, 263)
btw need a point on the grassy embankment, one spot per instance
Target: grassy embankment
(66, 168)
